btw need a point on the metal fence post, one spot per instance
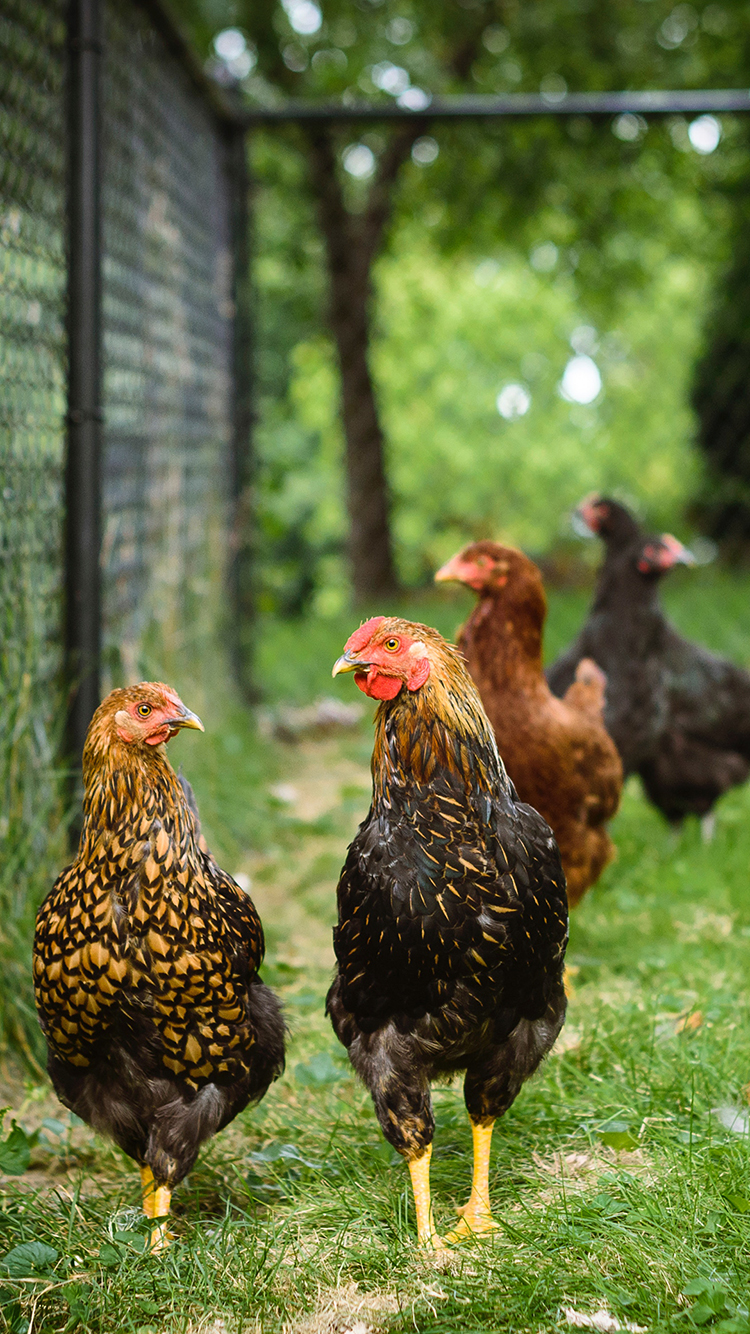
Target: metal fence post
(83, 461)
(241, 574)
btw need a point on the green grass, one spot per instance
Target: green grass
(614, 1180)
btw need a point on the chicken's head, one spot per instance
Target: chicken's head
(143, 715)
(386, 654)
(603, 517)
(660, 554)
(488, 567)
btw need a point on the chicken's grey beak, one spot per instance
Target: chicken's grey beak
(583, 520)
(188, 719)
(347, 664)
(680, 554)
(580, 526)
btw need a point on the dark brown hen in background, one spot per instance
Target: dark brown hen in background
(557, 752)
(146, 958)
(452, 911)
(679, 714)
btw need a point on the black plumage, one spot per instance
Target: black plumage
(452, 907)
(678, 714)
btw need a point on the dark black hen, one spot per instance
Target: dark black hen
(678, 714)
(452, 910)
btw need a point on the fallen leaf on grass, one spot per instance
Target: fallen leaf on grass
(617, 1135)
(601, 1320)
(689, 1023)
(618, 1140)
(736, 1119)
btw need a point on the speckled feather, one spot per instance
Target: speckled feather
(452, 905)
(146, 952)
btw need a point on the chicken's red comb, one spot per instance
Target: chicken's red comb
(363, 635)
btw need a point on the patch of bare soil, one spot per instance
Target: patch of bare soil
(292, 888)
(346, 1310)
(576, 1169)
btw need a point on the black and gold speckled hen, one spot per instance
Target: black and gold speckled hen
(452, 911)
(146, 958)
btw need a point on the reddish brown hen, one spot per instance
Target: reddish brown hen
(557, 752)
(146, 958)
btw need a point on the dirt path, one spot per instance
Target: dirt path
(294, 887)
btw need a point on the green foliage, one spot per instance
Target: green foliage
(15, 1151)
(617, 204)
(488, 46)
(451, 334)
(33, 827)
(622, 245)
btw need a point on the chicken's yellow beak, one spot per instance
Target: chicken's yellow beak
(188, 719)
(347, 664)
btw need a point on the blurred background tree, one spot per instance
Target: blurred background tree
(462, 327)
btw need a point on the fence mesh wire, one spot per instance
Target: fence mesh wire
(32, 406)
(167, 311)
(167, 402)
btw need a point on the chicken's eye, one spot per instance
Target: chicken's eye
(391, 645)
(144, 710)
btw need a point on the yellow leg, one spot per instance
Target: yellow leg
(419, 1170)
(156, 1201)
(476, 1215)
(159, 1232)
(148, 1186)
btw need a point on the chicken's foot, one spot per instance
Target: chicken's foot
(156, 1202)
(476, 1215)
(419, 1170)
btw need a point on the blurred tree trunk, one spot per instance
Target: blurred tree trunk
(352, 242)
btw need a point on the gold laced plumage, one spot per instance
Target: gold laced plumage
(145, 961)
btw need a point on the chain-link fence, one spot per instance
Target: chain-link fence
(167, 293)
(32, 406)
(167, 405)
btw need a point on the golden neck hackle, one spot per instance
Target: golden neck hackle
(127, 783)
(440, 727)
